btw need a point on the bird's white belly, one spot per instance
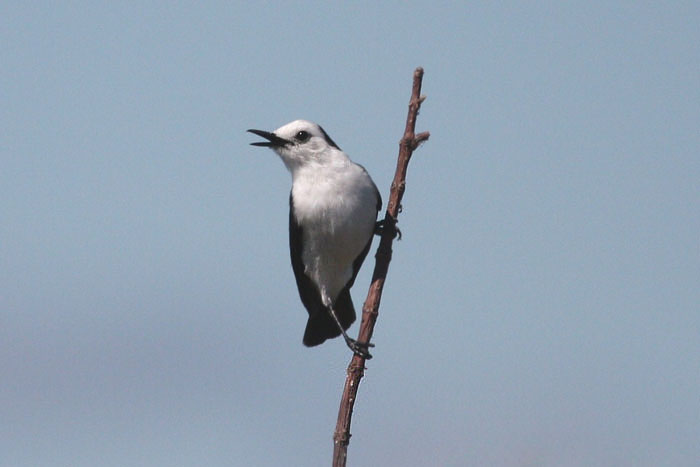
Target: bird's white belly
(336, 228)
(330, 250)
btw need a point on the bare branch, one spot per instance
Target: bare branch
(370, 310)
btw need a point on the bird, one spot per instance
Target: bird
(333, 207)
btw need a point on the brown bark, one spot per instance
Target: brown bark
(370, 310)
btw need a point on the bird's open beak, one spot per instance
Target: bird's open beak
(273, 140)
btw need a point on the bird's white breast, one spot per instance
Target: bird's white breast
(336, 207)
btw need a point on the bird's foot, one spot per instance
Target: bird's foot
(381, 225)
(359, 348)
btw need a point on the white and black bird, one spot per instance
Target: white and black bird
(333, 208)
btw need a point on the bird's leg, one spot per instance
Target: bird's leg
(381, 225)
(358, 348)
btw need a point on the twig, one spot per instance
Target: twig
(370, 310)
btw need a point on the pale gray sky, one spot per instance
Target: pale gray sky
(542, 308)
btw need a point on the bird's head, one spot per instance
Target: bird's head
(299, 143)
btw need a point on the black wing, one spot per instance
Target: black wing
(308, 292)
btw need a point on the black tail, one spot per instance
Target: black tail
(322, 326)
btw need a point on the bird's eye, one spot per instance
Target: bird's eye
(302, 136)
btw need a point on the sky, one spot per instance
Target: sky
(541, 309)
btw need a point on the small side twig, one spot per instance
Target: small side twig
(370, 309)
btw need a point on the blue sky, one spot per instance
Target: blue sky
(541, 309)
